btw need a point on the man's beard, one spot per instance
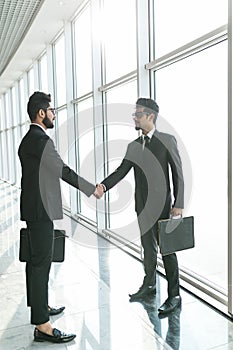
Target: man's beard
(47, 122)
(137, 127)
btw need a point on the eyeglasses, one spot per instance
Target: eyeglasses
(140, 114)
(53, 110)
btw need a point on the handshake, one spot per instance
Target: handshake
(99, 191)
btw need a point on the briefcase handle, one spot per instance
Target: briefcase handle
(62, 235)
(173, 222)
(180, 216)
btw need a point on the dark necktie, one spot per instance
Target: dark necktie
(145, 141)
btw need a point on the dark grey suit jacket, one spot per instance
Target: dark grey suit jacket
(152, 176)
(42, 168)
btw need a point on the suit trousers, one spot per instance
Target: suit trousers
(37, 270)
(150, 248)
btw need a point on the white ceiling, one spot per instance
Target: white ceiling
(26, 28)
(15, 18)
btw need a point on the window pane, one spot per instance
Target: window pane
(63, 147)
(23, 116)
(14, 106)
(1, 155)
(17, 140)
(10, 158)
(43, 74)
(8, 122)
(192, 95)
(60, 71)
(83, 61)
(86, 148)
(181, 21)
(119, 35)
(1, 114)
(31, 81)
(120, 132)
(24, 128)
(1, 139)
(5, 155)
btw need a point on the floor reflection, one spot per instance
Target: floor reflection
(172, 337)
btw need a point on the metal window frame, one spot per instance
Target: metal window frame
(212, 38)
(203, 287)
(230, 163)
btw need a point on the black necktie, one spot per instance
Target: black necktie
(147, 141)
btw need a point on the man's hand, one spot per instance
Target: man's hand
(176, 211)
(99, 191)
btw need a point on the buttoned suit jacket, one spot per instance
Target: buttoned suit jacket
(153, 179)
(42, 169)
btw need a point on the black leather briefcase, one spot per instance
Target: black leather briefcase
(176, 234)
(58, 245)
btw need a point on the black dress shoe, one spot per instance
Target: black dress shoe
(55, 311)
(170, 304)
(142, 292)
(57, 337)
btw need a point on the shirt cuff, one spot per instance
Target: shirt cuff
(105, 189)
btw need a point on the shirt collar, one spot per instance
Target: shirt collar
(150, 133)
(39, 126)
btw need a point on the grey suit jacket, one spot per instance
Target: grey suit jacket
(42, 169)
(152, 175)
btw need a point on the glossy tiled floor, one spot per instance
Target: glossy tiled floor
(93, 283)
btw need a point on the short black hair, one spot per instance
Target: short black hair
(38, 100)
(150, 106)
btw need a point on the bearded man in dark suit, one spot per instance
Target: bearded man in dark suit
(40, 204)
(152, 156)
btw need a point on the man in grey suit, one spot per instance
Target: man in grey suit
(152, 156)
(40, 204)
